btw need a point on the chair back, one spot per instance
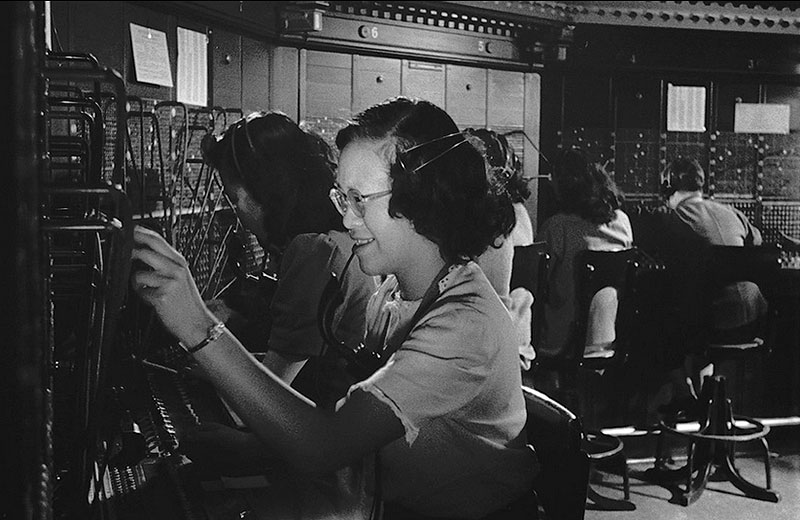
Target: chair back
(529, 270)
(606, 302)
(556, 435)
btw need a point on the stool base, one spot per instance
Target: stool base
(712, 449)
(602, 447)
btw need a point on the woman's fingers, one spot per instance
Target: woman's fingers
(149, 279)
(152, 240)
(156, 261)
(167, 285)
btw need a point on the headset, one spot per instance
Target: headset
(682, 174)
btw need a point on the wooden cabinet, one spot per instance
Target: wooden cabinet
(423, 80)
(374, 80)
(328, 90)
(505, 99)
(284, 81)
(255, 71)
(465, 96)
(226, 69)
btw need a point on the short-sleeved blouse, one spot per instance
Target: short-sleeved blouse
(455, 384)
(566, 236)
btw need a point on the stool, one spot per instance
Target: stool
(712, 447)
(600, 448)
(719, 352)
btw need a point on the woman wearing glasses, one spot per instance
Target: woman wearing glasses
(438, 431)
(277, 176)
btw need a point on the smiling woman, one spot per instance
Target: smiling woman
(438, 431)
(352, 199)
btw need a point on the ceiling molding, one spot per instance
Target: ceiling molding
(753, 17)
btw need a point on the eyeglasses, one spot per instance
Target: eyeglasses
(353, 200)
(356, 201)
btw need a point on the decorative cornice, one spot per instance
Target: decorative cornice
(715, 16)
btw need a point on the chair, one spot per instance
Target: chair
(529, 270)
(711, 446)
(601, 333)
(559, 488)
(729, 264)
(556, 434)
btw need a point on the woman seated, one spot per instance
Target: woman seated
(504, 171)
(277, 177)
(589, 218)
(438, 429)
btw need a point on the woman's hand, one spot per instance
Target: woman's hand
(169, 288)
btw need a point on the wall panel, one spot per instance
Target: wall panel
(328, 88)
(374, 80)
(424, 80)
(284, 81)
(465, 95)
(255, 76)
(103, 40)
(506, 94)
(139, 15)
(226, 69)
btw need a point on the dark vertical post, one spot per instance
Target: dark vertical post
(25, 419)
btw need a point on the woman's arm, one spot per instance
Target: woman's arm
(285, 366)
(311, 440)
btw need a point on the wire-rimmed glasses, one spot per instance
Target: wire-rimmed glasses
(353, 200)
(357, 202)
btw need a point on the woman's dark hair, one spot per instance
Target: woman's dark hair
(683, 174)
(286, 169)
(584, 188)
(503, 167)
(438, 179)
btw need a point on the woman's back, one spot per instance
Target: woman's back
(566, 236)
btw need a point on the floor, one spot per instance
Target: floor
(720, 500)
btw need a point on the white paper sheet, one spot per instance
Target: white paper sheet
(192, 67)
(686, 108)
(150, 56)
(761, 118)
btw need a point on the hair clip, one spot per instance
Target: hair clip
(426, 163)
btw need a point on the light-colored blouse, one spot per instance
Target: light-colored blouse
(566, 236)
(455, 384)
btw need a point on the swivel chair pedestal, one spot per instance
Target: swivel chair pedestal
(606, 296)
(712, 448)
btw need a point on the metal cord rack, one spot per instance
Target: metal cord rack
(87, 237)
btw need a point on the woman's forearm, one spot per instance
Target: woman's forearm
(282, 418)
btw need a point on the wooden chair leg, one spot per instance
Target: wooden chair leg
(604, 503)
(626, 485)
